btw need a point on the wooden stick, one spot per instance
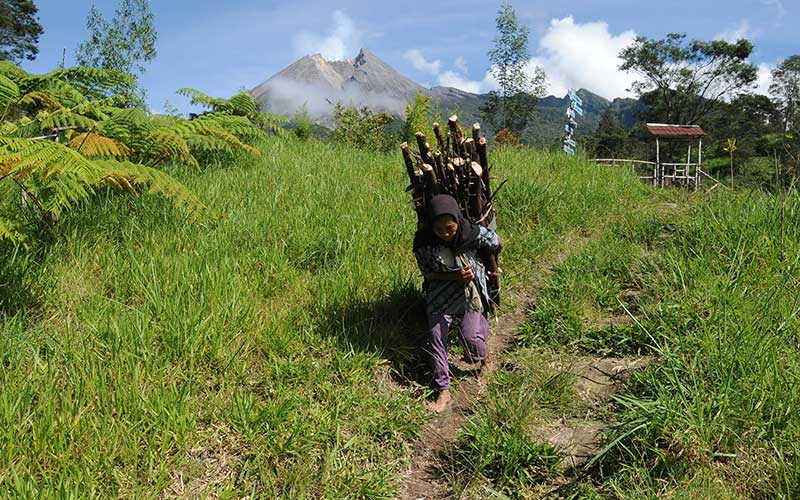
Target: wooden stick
(437, 131)
(424, 148)
(431, 182)
(483, 158)
(475, 190)
(408, 161)
(456, 134)
(469, 150)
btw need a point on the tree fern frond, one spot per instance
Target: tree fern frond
(270, 121)
(41, 101)
(63, 91)
(127, 175)
(29, 157)
(92, 82)
(209, 135)
(126, 125)
(9, 91)
(239, 126)
(197, 97)
(59, 176)
(12, 71)
(95, 145)
(165, 145)
(243, 104)
(9, 231)
(63, 118)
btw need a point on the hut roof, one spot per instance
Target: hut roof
(675, 131)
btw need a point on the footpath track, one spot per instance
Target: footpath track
(576, 438)
(427, 475)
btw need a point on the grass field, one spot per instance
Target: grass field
(271, 350)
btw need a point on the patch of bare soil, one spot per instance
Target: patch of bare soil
(215, 463)
(579, 438)
(426, 478)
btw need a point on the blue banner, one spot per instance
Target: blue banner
(574, 110)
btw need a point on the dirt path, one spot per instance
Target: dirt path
(426, 479)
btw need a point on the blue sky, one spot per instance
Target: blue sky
(222, 47)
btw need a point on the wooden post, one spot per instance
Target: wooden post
(657, 173)
(699, 162)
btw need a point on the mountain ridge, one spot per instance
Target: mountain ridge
(316, 84)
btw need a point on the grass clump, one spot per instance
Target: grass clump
(499, 449)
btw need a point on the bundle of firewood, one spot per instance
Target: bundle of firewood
(459, 168)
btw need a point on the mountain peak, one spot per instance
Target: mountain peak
(365, 80)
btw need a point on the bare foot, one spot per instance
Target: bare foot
(442, 400)
(486, 369)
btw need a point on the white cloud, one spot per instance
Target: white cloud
(343, 40)
(584, 56)
(732, 34)
(456, 78)
(573, 56)
(415, 57)
(777, 7)
(461, 65)
(764, 79)
(452, 79)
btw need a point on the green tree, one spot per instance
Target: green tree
(510, 107)
(785, 88)
(683, 81)
(19, 30)
(362, 128)
(303, 126)
(748, 119)
(418, 119)
(125, 43)
(611, 139)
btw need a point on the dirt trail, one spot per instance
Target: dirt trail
(427, 478)
(578, 437)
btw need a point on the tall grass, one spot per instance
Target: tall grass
(151, 350)
(712, 287)
(273, 350)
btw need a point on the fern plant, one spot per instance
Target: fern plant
(64, 135)
(241, 104)
(54, 154)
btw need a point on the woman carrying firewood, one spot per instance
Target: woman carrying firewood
(447, 248)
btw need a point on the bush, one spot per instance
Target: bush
(362, 128)
(303, 128)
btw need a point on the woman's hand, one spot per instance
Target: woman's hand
(466, 275)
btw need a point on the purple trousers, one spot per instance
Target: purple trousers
(473, 332)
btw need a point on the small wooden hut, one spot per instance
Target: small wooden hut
(669, 168)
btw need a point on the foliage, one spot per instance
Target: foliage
(241, 104)
(419, 118)
(785, 88)
(303, 127)
(511, 106)
(19, 30)
(124, 44)
(683, 81)
(362, 128)
(59, 145)
(506, 138)
(610, 140)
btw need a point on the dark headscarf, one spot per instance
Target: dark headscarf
(439, 205)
